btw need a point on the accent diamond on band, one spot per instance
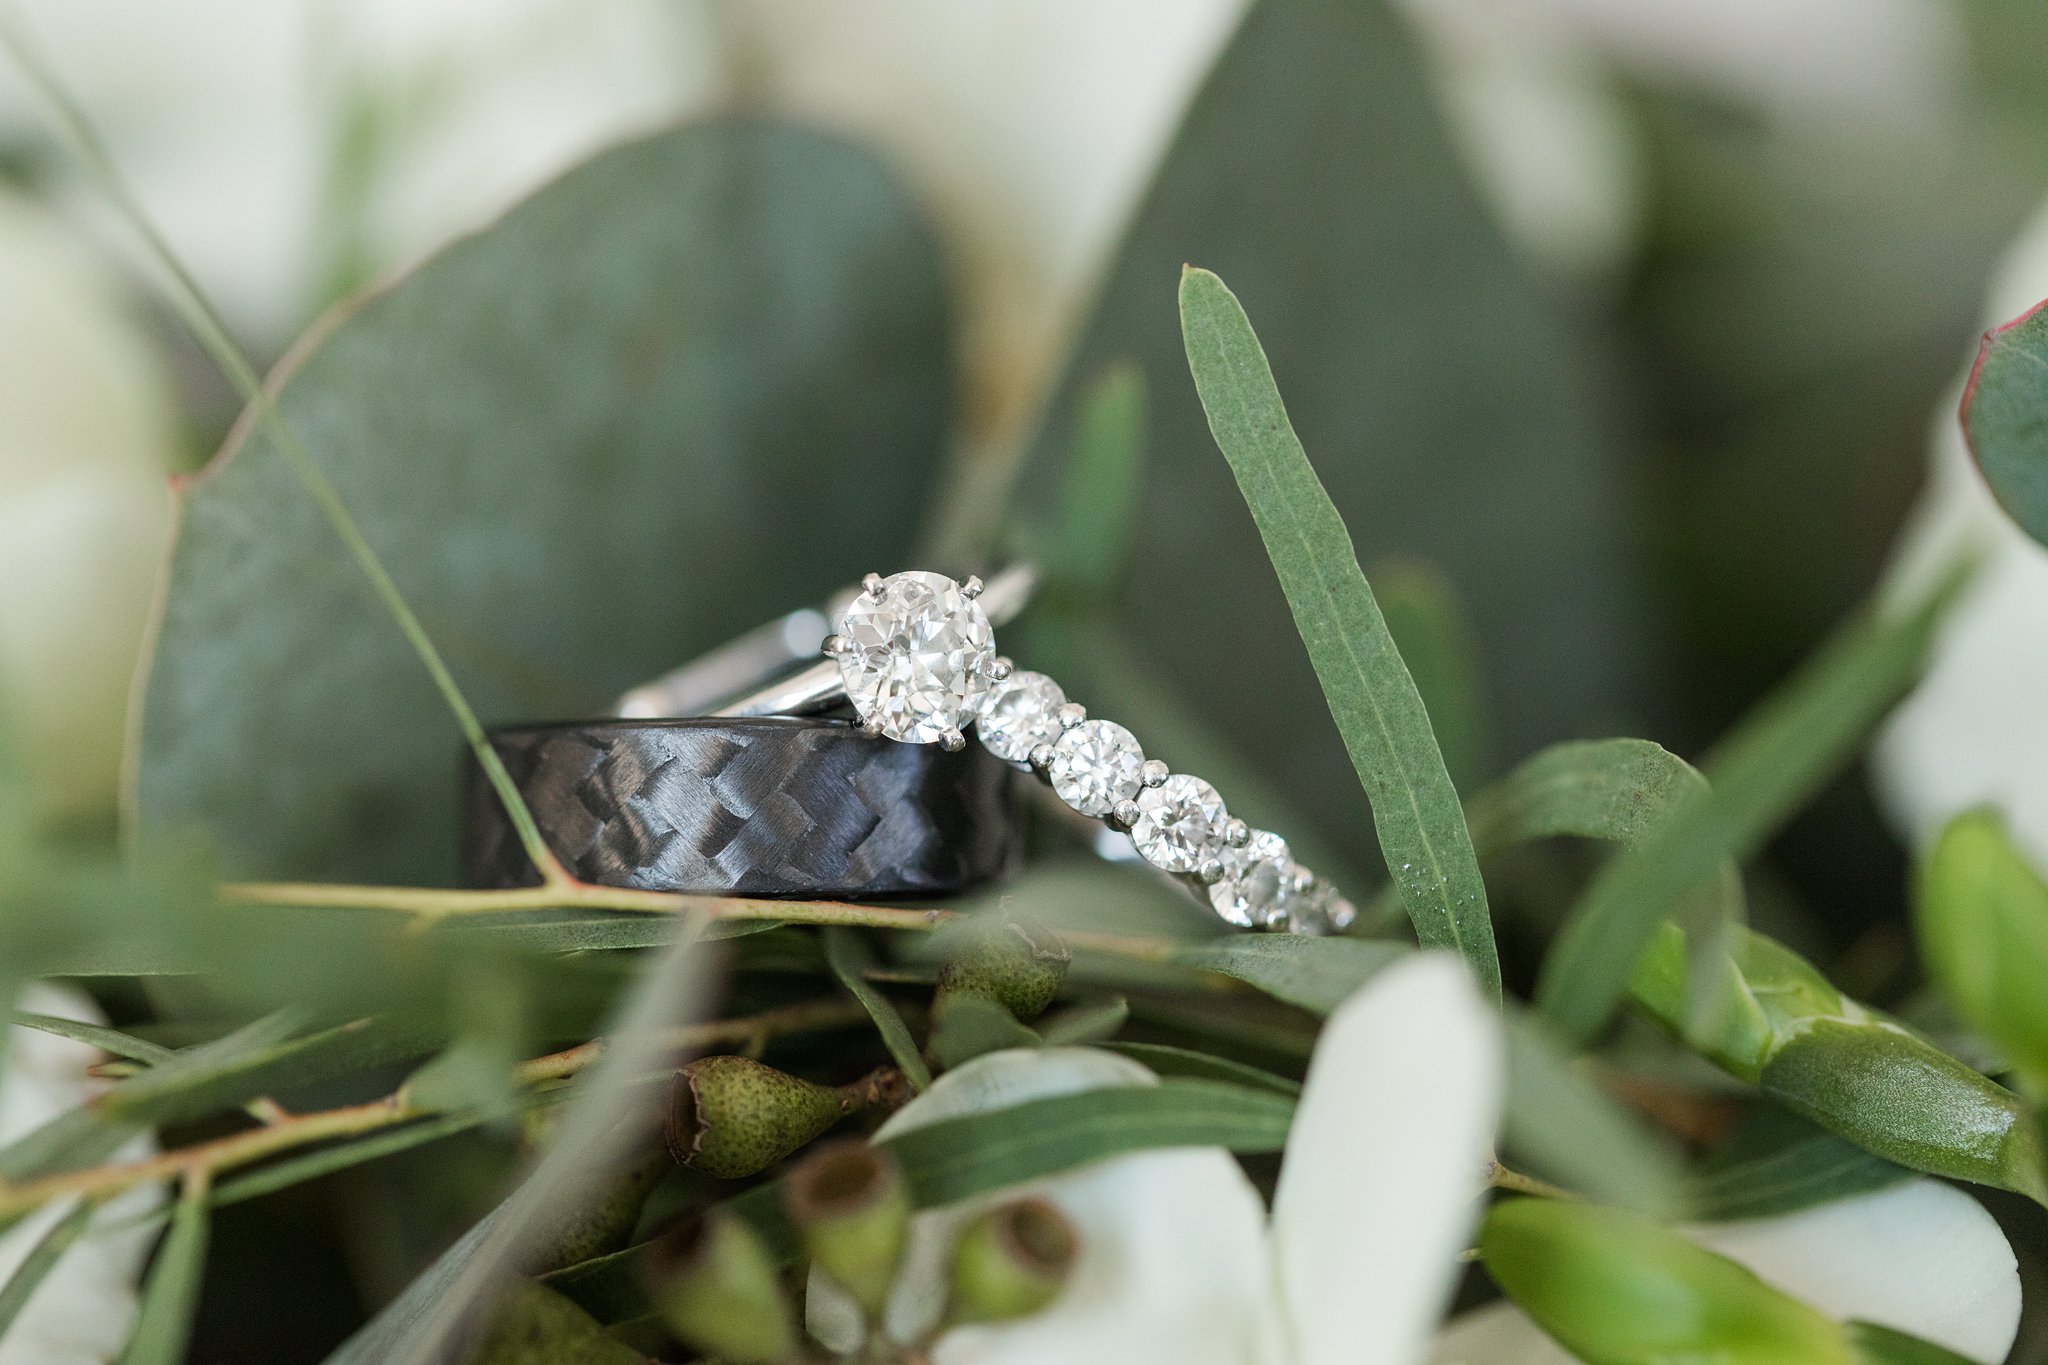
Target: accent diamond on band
(917, 656)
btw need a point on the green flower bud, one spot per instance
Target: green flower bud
(602, 1222)
(1983, 918)
(537, 1326)
(1617, 1289)
(714, 1283)
(730, 1117)
(1900, 1097)
(851, 1206)
(1018, 965)
(1011, 1261)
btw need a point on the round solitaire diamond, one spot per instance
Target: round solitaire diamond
(917, 656)
(1095, 765)
(1020, 713)
(1257, 883)
(1180, 823)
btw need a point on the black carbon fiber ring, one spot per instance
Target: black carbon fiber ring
(766, 807)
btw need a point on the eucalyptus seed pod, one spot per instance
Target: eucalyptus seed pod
(730, 1117)
(1011, 1261)
(1016, 963)
(537, 1326)
(601, 1223)
(1616, 1289)
(1783, 1028)
(850, 1205)
(1983, 920)
(714, 1283)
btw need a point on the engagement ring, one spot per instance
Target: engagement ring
(915, 655)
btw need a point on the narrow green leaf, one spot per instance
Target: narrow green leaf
(957, 1158)
(96, 1035)
(172, 1293)
(41, 1259)
(1165, 1060)
(848, 956)
(91, 1132)
(1875, 1345)
(1560, 1126)
(1098, 508)
(1314, 973)
(1432, 629)
(589, 1143)
(1779, 1163)
(611, 1288)
(280, 1175)
(1420, 823)
(1082, 1024)
(1616, 790)
(1759, 775)
(966, 1026)
(2005, 415)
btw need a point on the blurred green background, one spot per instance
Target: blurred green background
(1617, 331)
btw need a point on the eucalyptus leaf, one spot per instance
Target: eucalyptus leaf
(848, 956)
(558, 435)
(1455, 409)
(2005, 414)
(171, 1295)
(1758, 774)
(1314, 973)
(956, 1158)
(1380, 715)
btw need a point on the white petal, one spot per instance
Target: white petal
(1380, 1188)
(1498, 1334)
(82, 1313)
(1922, 1257)
(1173, 1258)
(1172, 1269)
(1971, 733)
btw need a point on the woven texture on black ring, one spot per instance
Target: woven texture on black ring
(756, 807)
